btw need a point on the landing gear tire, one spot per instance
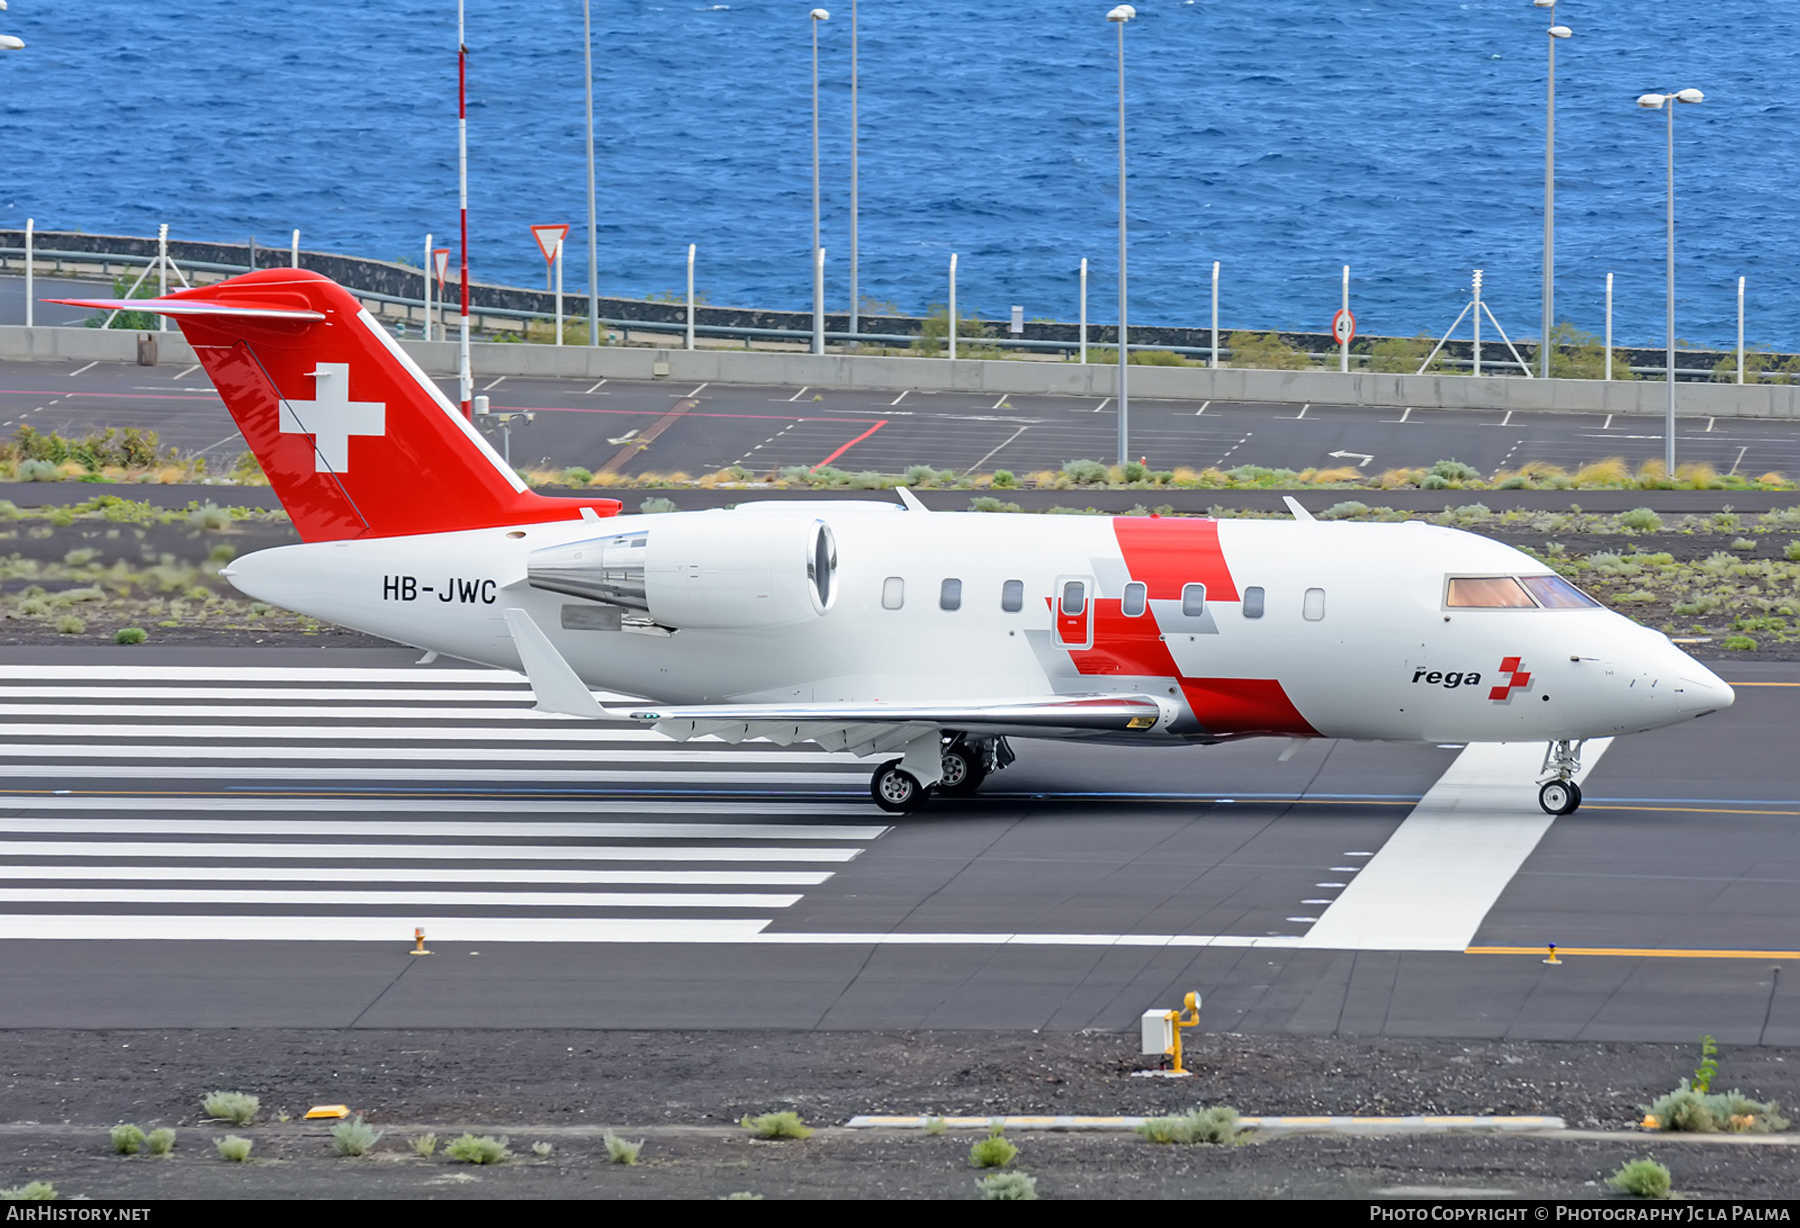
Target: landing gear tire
(1560, 797)
(964, 769)
(895, 790)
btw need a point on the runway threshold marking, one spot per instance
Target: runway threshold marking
(1636, 952)
(851, 444)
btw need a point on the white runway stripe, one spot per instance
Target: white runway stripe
(410, 874)
(439, 831)
(276, 712)
(699, 752)
(254, 673)
(421, 899)
(397, 930)
(253, 851)
(428, 775)
(324, 694)
(576, 731)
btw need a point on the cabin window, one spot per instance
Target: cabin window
(1314, 606)
(1487, 593)
(950, 595)
(1132, 606)
(1193, 600)
(1253, 603)
(1012, 596)
(1074, 598)
(893, 593)
(1556, 593)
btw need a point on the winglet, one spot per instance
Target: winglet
(555, 685)
(1293, 505)
(912, 501)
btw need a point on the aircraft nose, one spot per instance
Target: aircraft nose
(1702, 691)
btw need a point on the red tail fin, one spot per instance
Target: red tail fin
(355, 439)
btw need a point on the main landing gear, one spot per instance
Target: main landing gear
(1560, 794)
(966, 763)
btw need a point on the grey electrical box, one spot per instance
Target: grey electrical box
(1018, 320)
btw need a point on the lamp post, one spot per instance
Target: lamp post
(1666, 102)
(855, 302)
(465, 373)
(818, 266)
(587, 48)
(1119, 16)
(1556, 32)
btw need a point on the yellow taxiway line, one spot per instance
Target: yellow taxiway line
(1634, 952)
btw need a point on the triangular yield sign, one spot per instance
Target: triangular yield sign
(547, 238)
(441, 255)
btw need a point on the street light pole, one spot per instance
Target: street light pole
(587, 47)
(818, 341)
(1666, 102)
(855, 302)
(1549, 322)
(465, 373)
(1119, 16)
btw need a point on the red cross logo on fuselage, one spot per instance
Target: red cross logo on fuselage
(1520, 680)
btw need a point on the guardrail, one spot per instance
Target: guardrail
(382, 287)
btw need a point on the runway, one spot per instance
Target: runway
(638, 427)
(237, 839)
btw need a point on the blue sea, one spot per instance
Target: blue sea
(1283, 139)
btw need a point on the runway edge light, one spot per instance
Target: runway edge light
(418, 942)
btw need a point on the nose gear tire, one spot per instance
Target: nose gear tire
(1560, 797)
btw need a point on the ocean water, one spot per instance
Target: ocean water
(1283, 139)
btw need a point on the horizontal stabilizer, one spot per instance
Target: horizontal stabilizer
(182, 307)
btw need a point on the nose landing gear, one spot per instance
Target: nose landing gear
(1560, 794)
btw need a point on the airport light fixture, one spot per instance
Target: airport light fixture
(1119, 16)
(1549, 303)
(587, 49)
(818, 265)
(855, 302)
(1666, 102)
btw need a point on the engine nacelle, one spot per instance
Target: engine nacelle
(701, 570)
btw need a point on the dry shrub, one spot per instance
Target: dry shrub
(1609, 472)
(1343, 473)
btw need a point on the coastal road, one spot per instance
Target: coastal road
(700, 428)
(249, 838)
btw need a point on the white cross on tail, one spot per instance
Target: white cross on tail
(333, 417)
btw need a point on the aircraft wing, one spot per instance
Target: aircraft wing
(873, 728)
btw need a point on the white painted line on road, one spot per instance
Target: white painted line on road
(799, 394)
(696, 392)
(1738, 461)
(1001, 403)
(334, 694)
(984, 460)
(412, 874)
(693, 753)
(497, 382)
(1607, 425)
(1434, 881)
(418, 899)
(439, 931)
(252, 673)
(1103, 405)
(1504, 421)
(355, 778)
(1302, 412)
(899, 398)
(189, 371)
(19, 825)
(80, 370)
(569, 853)
(1709, 423)
(1202, 408)
(593, 388)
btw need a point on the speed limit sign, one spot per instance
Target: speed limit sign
(1343, 327)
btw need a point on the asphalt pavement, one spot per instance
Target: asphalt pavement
(639, 427)
(196, 838)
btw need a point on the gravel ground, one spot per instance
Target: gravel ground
(683, 1092)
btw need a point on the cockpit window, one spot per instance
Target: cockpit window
(1487, 593)
(1556, 593)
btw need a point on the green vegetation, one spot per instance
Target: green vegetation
(130, 635)
(424, 1145)
(1265, 351)
(1579, 355)
(126, 1139)
(31, 1191)
(238, 1108)
(484, 1150)
(1197, 1125)
(161, 1141)
(936, 1125)
(353, 1137)
(1641, 1179)
(777, 1125)
(1403, 355)
(1007, 1187)
(621, 1151)
(994, 1151)
(542, 1150)
(233, 1148)
(657, 503)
